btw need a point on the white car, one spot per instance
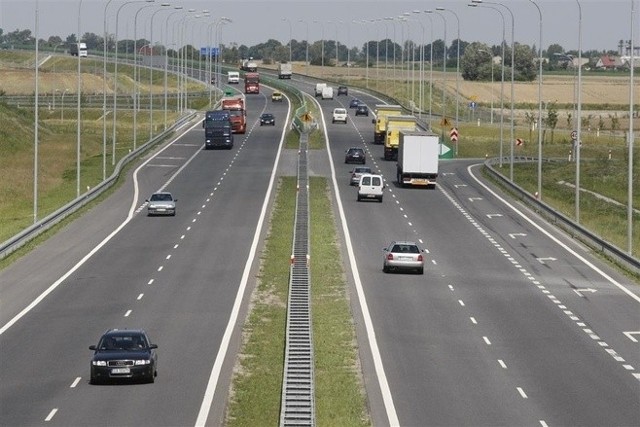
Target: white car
(339, 115)
(161, 203)
(370, 187)
(403, 256)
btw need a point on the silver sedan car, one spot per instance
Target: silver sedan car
(161, 204)
(403, 256)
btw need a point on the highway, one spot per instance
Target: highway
(176, 277)
(512, 324)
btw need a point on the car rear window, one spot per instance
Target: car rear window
(375, 180)
(412, 249)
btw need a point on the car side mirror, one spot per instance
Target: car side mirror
(92, 347)
(146, 200)
(153, 346)
(175, 200)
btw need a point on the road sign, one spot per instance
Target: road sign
(453, 134)
(519, 141)
(574, 135)
(473, 105)
(209, 51)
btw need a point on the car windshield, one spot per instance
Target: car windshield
(355, 151)
(129, 342)
(161, 198)
(267, 116)
(362, 170)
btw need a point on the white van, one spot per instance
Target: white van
(327, 92)
(319, 88)
(370, 187)
(233, 77)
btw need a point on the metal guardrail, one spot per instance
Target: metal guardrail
(54, 218)
(298, 385)
(622, 258)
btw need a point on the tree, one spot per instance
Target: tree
(475, 64)
(552, 118)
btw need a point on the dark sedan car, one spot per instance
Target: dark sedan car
(354, 103)
(355, 155)
(343, 90)
(362, 110)
(267, 119)
(124, 354)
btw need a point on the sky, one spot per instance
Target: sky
(352, 22)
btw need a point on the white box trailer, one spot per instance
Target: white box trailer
(284, 70)
(418, 157)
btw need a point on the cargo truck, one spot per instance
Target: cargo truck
(217, 129)
(78, 49)
(237, 113)
(252, 83)
(249, 65)
(284, 70)
(418, 155)
(394, 125)
(380, 122)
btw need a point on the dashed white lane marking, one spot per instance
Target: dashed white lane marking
(140, 297)
(127, 313)
(75, 382)
(160, 268)
(522, 393)
(461, 302)
(543, 423)
(486, 340)
(150, 282)
(473, 320)
(520, 268)
(51, 414)
(502, 364)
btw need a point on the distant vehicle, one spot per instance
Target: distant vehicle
(418, 156)
(276, 97)
(124, 354)
(233, 77)
(354, 103)
(248, 65)
(370, 186)
(218, 130)
(161, 203)
(267, 119)
(403, 256)
(382, 112)
(396, 124)
(362, 110)
(355, 155)
(78, 49)
(357, 172)
(284, 70)
(319, 88)
(327, 92)
(252, 83)
(343, 90)
(339, 115)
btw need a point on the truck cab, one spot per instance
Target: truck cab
(218, 132)
(382, 111)
(394, 125)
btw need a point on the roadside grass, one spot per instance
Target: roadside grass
(255, 395)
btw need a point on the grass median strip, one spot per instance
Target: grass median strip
(257, 384)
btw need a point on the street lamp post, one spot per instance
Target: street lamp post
(166, 61)
(631, 137)
(579, 118)
(539, 193)
(457, 63)
(151, 65)
(36, 114)
(322, 48)
(78, 109)
(104, 93)
(306, 58)
(290, 36)
(444, 69)
(136, 101)
(513, 53)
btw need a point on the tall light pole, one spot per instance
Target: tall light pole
(104, 93)
(322, 48)
(631, 137)
(136, 100)
(513, 62)
(166, 61)
(290, 36)
(430, 67)
(444, 70)
(78, 109)
(457, 63)
(36, 118)
(306, 58)
(151, 65)
(336, 39)
(539, 192)
(579, 118)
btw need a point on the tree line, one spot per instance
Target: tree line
(478, 61)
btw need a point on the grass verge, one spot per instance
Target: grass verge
(256, 388)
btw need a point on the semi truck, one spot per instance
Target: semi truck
(249, 65)
(382, 112)
(252, 83)
(237, 113)
(394, 125)
(78, 49)
(217, 129)
(418, 154)
(284, 70)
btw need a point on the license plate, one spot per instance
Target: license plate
(405, 258)
(121, 371)
(371, 196)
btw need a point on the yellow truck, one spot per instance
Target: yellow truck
(395, 124)
(380, 122)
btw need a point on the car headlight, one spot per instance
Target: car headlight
(142, 362)
(99, 363)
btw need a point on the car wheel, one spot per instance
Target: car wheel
(421, 271)
(385, 269)
(359, 198)
(380, 199)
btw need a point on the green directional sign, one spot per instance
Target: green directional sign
(446, 152)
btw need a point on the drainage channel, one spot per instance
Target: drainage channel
(298, 389)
